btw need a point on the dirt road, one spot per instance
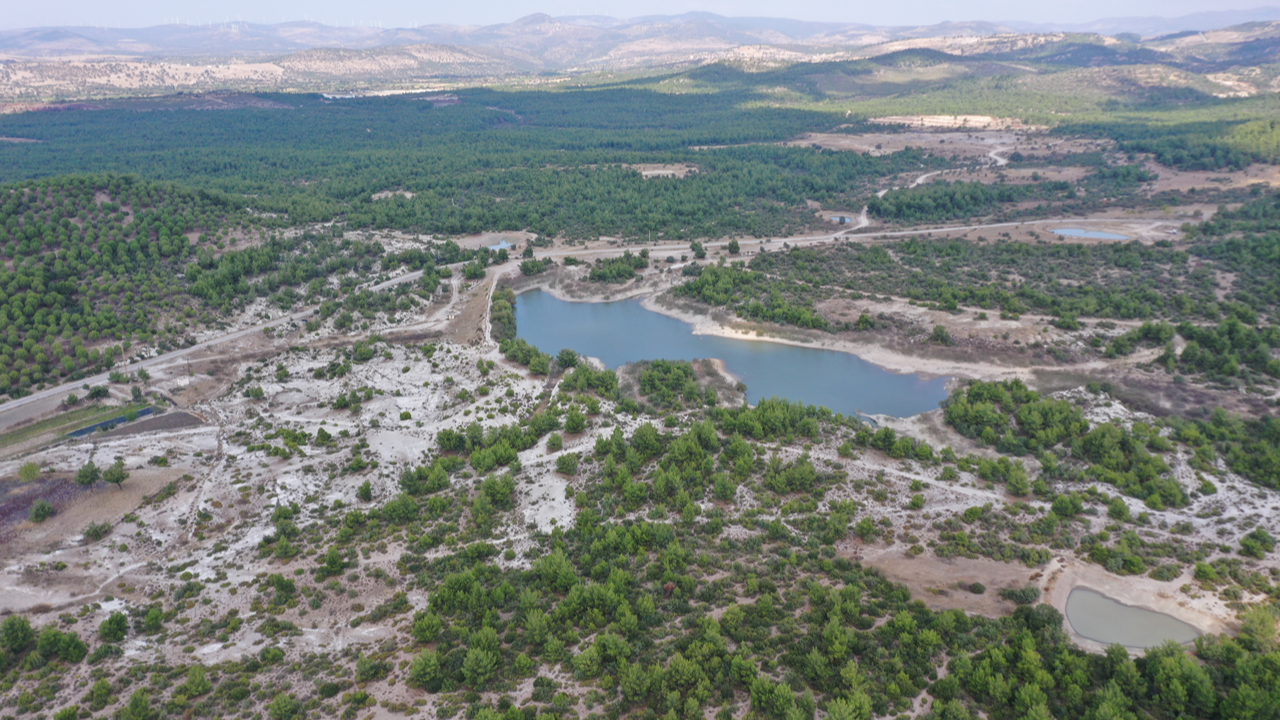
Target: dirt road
(44, 401)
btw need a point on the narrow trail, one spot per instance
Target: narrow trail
(925, 176)
(863, 221)
(994, 155)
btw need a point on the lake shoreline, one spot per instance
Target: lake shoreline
(651, 291)
(800, 371)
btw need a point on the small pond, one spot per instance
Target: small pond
(501, 245)
(1091, 234)
(621, 332)
(1102, 619)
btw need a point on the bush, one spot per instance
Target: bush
(567, 464)
(977, 588)
(139, 707)
(284, 707)
(940, 335)
(1021, 596)
(113, 629)
(29, 471)
(103, 652)
(1257, 544)
(41, 510)
(97, 531)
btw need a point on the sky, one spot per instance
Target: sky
(411, 13)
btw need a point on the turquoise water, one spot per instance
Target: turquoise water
(622, 332)
(1099, 618)
(502, 245)
(1091, 234)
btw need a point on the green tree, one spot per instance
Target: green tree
(634, 681)
(333, 564)
(197, 684)
(114, 628)
(567, 464)
(16, 634)
(567, 358)
(99, 695)
(734, 248)
(856, 706)
(425, 669)
(283, 707)
(139, 707)
(116, 474)
(365, 491)
(153, 621)
(480, 667)
(88, 474)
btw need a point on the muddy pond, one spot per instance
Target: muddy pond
(1099, 618)
(621, 332)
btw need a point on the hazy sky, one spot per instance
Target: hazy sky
(406, 13)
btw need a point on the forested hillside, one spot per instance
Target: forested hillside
(551, 163)
(94, 265)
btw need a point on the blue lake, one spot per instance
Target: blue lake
(623, 331)
(1091, 234)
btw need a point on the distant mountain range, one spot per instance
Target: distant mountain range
(544, 42)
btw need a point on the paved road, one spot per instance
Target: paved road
(37, 403)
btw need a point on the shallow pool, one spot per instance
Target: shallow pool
(501, 245)
(1091, 234)
(622, 332)
(1102, 619)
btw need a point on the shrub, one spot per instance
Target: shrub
(567, 464)
(1021, 596)
(284, 707)
(41, 510)
(940, 335)
(29, 471)
(1257, 544)
(139, 707)
(113, 629)
(977, 588)
(97, 531)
